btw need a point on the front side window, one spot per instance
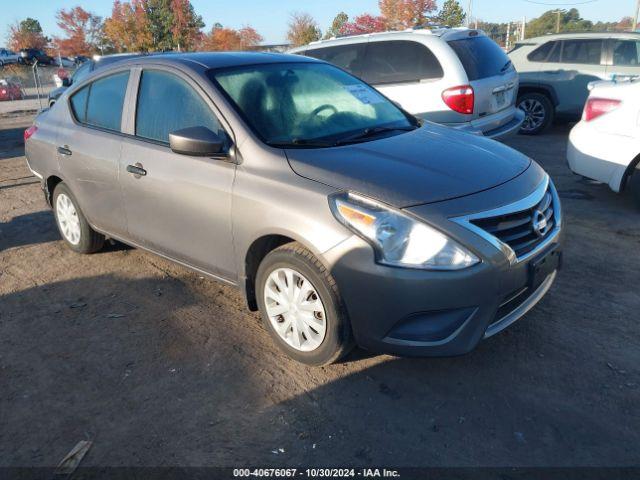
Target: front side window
(100, 103)
(166, 103)
(585, 52)
(626, 53)
(289, 104)
(541, 53)
(399, 61)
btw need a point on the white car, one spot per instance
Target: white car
(7, 57)
(454, 76)
(605, 145)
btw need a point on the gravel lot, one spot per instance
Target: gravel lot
(159, 366)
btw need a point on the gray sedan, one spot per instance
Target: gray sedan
(342, 218)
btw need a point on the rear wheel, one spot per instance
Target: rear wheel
(538, 111)
(72, 224)
(301, 306)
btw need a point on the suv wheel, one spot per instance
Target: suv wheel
(301, 307)
(538, 111)
(72, 224)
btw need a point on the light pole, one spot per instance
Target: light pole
(635, 22)
(469, 13)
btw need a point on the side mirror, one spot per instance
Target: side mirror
(66, 82)
(197, 141)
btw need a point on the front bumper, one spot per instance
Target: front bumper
(425, 313)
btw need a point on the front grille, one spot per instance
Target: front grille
(518, 229)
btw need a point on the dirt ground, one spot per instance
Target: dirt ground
(159, 366)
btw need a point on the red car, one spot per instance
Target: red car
(9, 91)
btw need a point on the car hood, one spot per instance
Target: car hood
(430, 164)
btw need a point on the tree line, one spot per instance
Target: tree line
(134, 26)
(165, 25)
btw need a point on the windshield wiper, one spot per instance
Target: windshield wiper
(372, 132)
(302, 142)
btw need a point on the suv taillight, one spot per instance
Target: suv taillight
(596, 107)
(460, 99)
(29, 132)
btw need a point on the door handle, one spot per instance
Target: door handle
(137, 170)
(64, 151)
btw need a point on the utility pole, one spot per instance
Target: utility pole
(469, 11)
(637, 17)
(558, 21)
(506, 43)
(524, 28)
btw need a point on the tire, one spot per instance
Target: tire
(87, 240)
(539, 113)
(337, 340)
(634, 183)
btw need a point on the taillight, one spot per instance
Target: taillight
(596, 107)
(460, 99)
(29, 132)
(3, 91)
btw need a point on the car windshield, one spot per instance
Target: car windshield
(309, 104)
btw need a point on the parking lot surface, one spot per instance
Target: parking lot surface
(159, 366)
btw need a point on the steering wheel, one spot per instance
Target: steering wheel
(322, 108)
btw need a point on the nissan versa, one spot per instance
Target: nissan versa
(342, 218)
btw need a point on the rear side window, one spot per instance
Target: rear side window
(586, 52)
(166, 103)
(541, 53)
(481, 57)
(399, 61)
(99, 104)
(626, 53)
(347, 57)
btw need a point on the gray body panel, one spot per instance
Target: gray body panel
(208, 213)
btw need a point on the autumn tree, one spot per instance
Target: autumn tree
(303, 29)
(227, 39)
(451, 14)
(365, 23)
(128, 27)
(249, 38)
(27, 34)
(336, 26)
(401, 14)
(83, 32)
(186, 25)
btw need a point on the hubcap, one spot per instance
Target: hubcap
(534, 114)
(68, 219)
(295, 310)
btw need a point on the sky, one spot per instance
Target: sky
(269, 17)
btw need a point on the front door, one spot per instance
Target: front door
(625, 59)
(181, 205)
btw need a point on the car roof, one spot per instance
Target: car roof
(210, 60)
(562, 36)
(443, 33)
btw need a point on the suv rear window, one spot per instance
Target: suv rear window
(586, 52)
(481, 57)
(347, 57)
(541, 53)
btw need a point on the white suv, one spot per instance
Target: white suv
(457, 77)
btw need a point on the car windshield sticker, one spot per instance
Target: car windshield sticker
(364, 94)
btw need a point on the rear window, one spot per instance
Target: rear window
(100, 103)
(399, 61)
(586, 52)
(347, 57)
(626, 53)
(541, 53)
(481, 57)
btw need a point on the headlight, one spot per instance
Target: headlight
(398, 239)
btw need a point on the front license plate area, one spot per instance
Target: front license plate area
(543, 266)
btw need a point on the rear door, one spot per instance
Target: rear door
(624, 58)
(181, 207)
(582, 60)
(490, 73)
(89, 150)
(408, 72)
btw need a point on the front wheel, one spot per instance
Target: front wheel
(301, 306)
(538, 111)
(72, 224)
(634, 183)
